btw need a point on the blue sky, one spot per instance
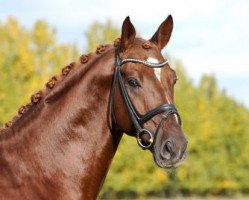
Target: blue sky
(209, 36)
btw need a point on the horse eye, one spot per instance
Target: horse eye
(133, 82)
(175, 80)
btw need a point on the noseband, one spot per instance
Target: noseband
(138, 121)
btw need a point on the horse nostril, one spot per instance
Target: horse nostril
(167, 149)
(184, 149)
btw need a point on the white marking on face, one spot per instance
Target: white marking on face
(176, 118)
(152, 60)
(157, 71)
(168, 99)
(175, 115)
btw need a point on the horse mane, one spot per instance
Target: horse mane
(55, 88)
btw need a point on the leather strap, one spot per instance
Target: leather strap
(138, 121)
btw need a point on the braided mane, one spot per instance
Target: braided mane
(56, 86)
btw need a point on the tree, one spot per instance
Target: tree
(28, 58)
(101, 33)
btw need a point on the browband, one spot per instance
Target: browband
(144, 62)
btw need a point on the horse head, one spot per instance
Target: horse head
(143, 94)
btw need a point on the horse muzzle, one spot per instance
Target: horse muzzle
(169, 152)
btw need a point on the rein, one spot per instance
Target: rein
(138, 121)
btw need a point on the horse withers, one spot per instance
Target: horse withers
(61, 144)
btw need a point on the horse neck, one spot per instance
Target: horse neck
(72, 134)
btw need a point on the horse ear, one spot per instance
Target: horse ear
(128, 34)
(163, 33)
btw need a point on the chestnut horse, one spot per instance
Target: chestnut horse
(61, 144)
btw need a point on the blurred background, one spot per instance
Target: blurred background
(209, 50)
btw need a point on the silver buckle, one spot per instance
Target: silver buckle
(140, 141)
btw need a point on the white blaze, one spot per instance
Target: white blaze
(157, 71)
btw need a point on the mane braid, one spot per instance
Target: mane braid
(54, 88)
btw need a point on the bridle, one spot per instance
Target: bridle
(138, 121)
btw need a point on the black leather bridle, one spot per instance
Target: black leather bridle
(138, 121)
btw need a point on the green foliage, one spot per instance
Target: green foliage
(101, 33)
(216, 126)
(28, 58)
(134, 170)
